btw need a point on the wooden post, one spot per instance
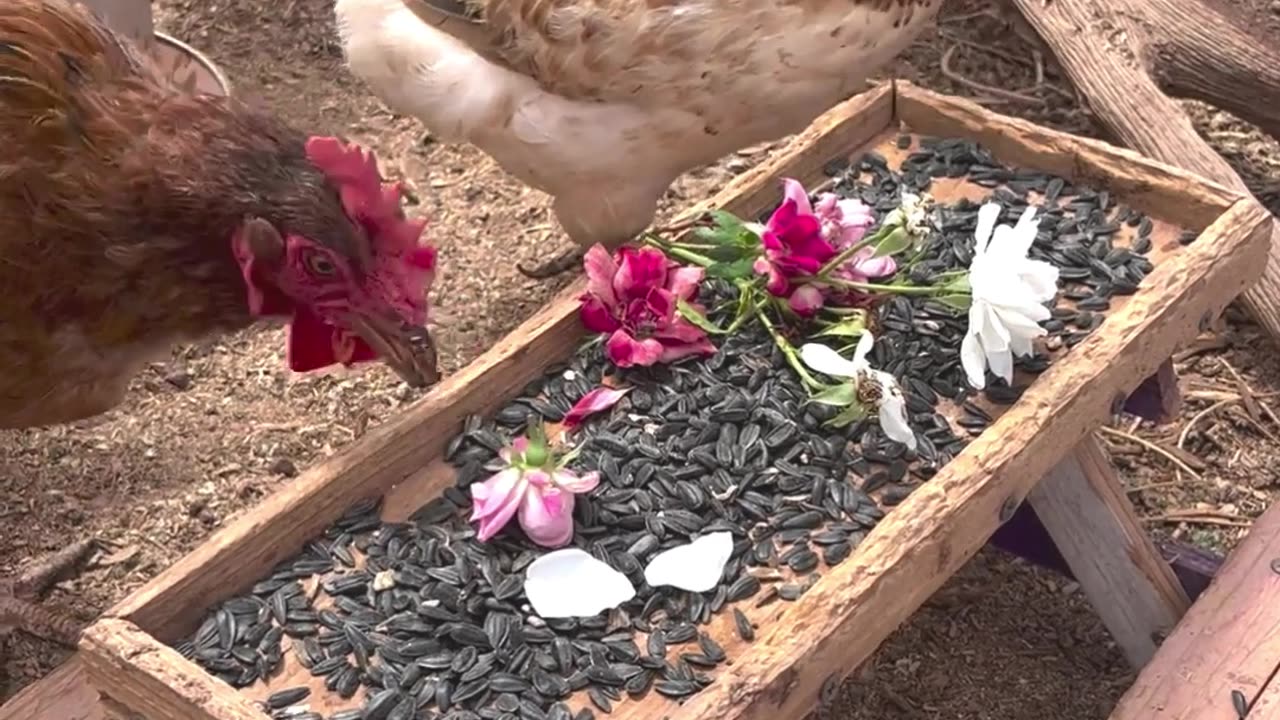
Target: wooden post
(1093, 524)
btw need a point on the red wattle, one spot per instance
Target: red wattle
(310, 344)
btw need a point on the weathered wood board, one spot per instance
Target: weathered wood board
(1228, 641)
(843, 619)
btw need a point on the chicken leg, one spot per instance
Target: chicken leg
(19, 607)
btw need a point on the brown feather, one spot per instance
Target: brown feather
(119, 194)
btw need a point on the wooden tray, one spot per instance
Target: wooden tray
(808, 645)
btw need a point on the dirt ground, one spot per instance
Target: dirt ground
(221, 425)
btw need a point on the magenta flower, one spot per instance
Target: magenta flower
(800, 238)
(793, 246)
(533, 487)
(633, 299)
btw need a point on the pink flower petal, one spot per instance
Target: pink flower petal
(547, 517)
(827, 206)
(782, 217)
(878, 267)
(496, 500)
(792, 190)
(574, 483)
(772, 243)
(602, 398)
(626, 351)
(680, 332)
(662, 305)
(777, 285)
(806, 300)
(597, 316)
(671, 353)
(600, 269)
(683, 282)
(640, 270)
(538, 479)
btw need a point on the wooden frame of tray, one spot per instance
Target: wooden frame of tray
(842, 620)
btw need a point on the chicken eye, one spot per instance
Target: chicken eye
(320, 265)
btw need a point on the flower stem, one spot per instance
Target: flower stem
(840, 259)
(873, 287)
(678, 251)
(788, 350)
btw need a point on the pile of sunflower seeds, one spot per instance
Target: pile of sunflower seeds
(432, 623)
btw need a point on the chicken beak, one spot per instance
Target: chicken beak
(406, 348)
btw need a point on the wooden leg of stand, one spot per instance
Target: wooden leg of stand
(1084, 508)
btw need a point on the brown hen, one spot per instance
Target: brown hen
(135, 216)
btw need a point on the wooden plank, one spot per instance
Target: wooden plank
(64, 694)
(1229, 640)
(278, 527)
(1085, 510)
(1267, 706)
(1179, 195)
(153, 680)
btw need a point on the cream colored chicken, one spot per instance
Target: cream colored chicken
(604, 103)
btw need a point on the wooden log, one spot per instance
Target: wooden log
(1123, 55)
(1229, 640)
(1084, 508)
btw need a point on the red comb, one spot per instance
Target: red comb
(364, 195)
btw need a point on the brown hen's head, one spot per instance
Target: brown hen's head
(361, 302)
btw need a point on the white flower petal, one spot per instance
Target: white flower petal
(893, 411)
(1041, 278)
(1021, 345)
(823, 359)
(993, 334)
(572, 583)
(1022, 321)
(865, 343)
(695, 567)
(973, 360)
(988, 214)
(1001, 363)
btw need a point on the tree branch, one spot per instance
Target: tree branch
(1208, 58)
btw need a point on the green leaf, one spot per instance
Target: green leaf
(894, 242)
(688, 312)
(958, 302)
(726, 220)
(725, 230)
(838, 395)
(848, 416)
(852, 327)
(726, 253)
(733, 270)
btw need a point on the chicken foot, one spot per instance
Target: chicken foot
(563, 262)
(19, 596)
